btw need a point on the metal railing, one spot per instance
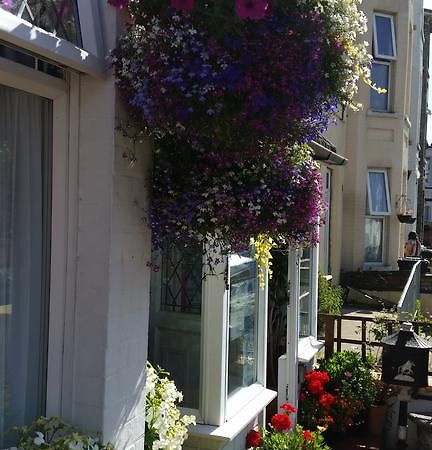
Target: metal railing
(406, 306)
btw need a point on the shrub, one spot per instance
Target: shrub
(330, 298)
(54, 434)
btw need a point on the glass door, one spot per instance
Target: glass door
(25, 219)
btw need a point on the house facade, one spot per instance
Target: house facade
(82, 299)
(381, 142)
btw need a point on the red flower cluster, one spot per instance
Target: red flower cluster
(253, 439)
(280, 422)
(315, 381)
(327, 400)
(308, 435)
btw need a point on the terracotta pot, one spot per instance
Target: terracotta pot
(376, 418)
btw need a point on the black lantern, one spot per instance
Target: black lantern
(405, 358)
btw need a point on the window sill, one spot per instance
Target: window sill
(308, 347)
(383, 114)
(376, 266)
(229, 430)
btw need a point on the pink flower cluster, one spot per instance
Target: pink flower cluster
(245, 9)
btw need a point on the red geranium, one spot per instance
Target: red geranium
(315, 386)
(253, 439)
(321, 376)
(308, 435)
(281, 422)
(327, 400)
(288, 408)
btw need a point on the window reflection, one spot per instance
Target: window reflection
(243, 330)
(56, 16)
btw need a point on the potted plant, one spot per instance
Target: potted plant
(352, 384)
(378, 409)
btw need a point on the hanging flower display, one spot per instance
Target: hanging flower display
(279, 74)
(223, 200)
(228, 89)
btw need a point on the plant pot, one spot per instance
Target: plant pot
(406, 218)
(376, 418)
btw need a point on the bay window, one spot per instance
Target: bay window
(378, 193)
(384, 52)
(25, 206)
(378, 208)
(374, 240)
(384, 37)
(380, 76)
(59, 17)
(209, 332)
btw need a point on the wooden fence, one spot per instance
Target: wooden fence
(333, 332)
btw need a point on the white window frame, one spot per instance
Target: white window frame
(23, 34)
(64, 96)
(375, 37)
(219, 414)
(388, 87)
(216, 407)
(378, 213)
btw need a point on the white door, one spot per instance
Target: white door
(325, 230)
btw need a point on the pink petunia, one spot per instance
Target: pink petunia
(251, 9)
(119, 4)
(185, 6)
(7, 4)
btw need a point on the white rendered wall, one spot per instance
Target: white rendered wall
(113, 281)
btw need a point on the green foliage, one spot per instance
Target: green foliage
(53, 434)
(330, 298)
(350, 377)
(293, 441)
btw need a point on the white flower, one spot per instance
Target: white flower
(39, 439)
(76, 445)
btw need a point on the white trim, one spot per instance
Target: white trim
(308, 347)
(64, 214)
(24, 35)
(214, 350)
(375, 37)
(293, 311)
(388, 87)
(378, 213)
(24, 78)
(314, 291)
(90, 15)
(230, 429)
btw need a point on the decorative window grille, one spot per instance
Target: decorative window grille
(181, 280)
(56, 16)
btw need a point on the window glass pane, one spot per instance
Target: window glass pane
(378, 192)
(384, 36)
(56, 16)
(25, 206)
(175, 319)
(305, 287)
(374, 229)
(380, 77)
(243, 328)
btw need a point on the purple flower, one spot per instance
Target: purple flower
(251, 9)
(119, 4)
(7, 4)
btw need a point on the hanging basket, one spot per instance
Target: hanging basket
(406, 218)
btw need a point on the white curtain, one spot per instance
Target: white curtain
(25, 183)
